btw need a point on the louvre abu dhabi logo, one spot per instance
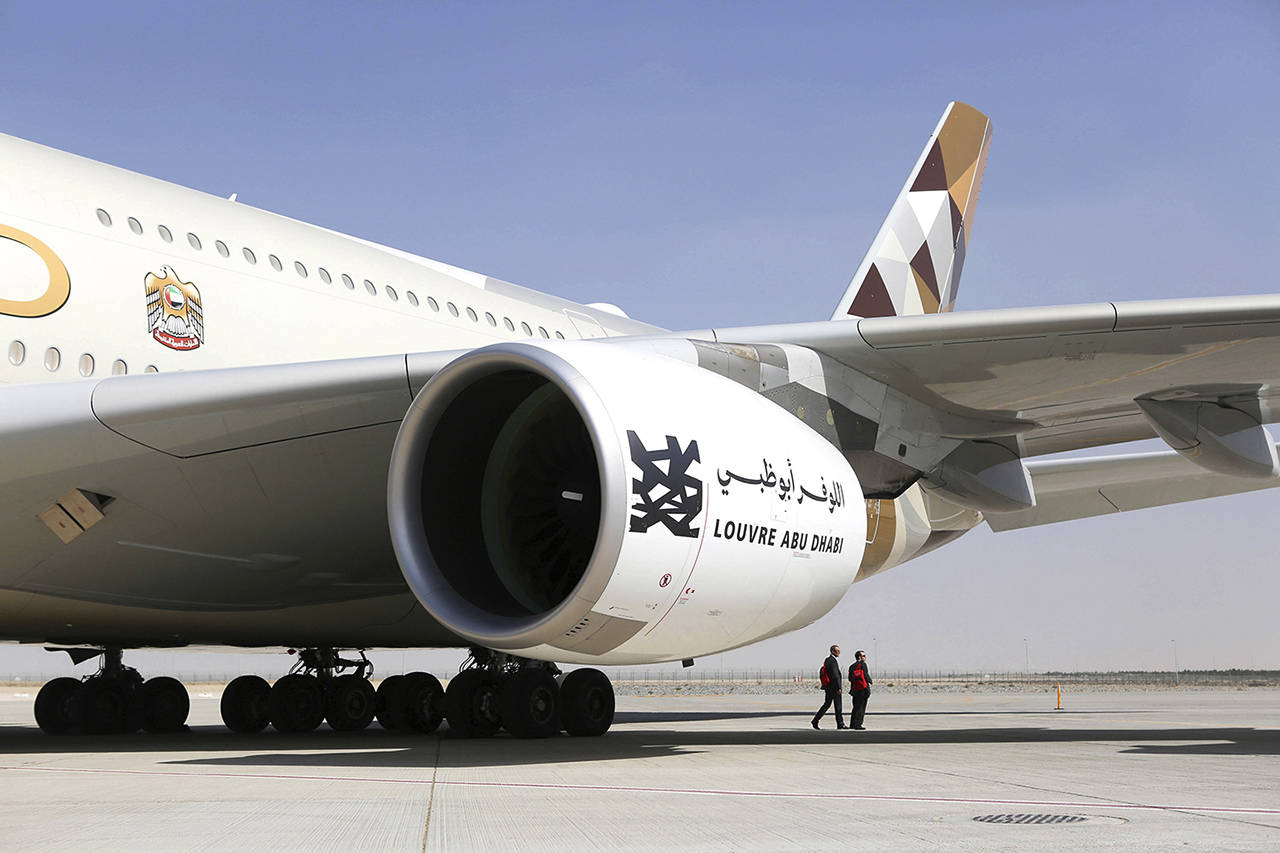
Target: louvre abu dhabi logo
(667, 491)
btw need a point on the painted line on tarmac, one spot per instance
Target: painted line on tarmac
(641, 789)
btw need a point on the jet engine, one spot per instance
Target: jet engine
(591, 502)
(588, 502)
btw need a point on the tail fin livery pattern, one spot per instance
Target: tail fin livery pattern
(913, 266)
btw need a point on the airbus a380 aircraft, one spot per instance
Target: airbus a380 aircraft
(225, 427)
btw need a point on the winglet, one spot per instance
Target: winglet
(913, 266)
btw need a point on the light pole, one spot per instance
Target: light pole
(1027, 650)
(1177, 678)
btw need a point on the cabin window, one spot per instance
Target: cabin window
(165, 234)
(560, 335)
(369, 288)
(412, 297)
(86, 365)
(391, 293)
(150, 368)
(506, 321)
(324, 275)
(52, 359)
(17, 353)
(489, 317)
(527, 330)
(275, 263)
(222, 248)
(453, 309)
(300, 269)
(135, 226)
(346, 280)
(543, 332)
(250, 256)
(431, 301)
(194, 241)
(471, 313)
(104, 217)
(119, 367)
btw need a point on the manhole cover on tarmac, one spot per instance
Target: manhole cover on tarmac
(1031, 818)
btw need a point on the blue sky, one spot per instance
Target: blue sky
(728, 163)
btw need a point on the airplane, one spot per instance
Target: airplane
(224, 427)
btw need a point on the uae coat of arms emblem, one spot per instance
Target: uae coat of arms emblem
(175, 316)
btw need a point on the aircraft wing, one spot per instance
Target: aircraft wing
(1061, 378)
(1082, 488)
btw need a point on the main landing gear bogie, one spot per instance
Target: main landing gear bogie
(114, 700)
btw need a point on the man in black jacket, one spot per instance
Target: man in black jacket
(832, 689)
(859, 688)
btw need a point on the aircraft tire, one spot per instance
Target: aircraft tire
(296, 704)
(244, 704)
(103, 707)
(349, 703)
(586, 703)
(421, 701)
(529, 702)
(55, 706)
(471, 704)
(389, 712)
(165, 705)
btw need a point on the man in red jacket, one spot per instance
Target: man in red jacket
(832, 688)
(859, 688)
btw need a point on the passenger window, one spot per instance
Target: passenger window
(431, 301)
(346, 280)
(52, 359)
(165, 234)
(151, 368)
(17, 353)
(120, 368)
(453, 309)
(527, 330)
(412, 297)
(391, 294)
(300, 269)
(135, 226)
(506, 321)
(275, 263)
(104, 217)
(194, 241)
(324, 275)
(471, 313)
(250, 256)
(489, 317)
(560, 335)
(86, 365)
(222, 248)
(368, 286)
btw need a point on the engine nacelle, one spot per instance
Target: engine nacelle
(586, 502)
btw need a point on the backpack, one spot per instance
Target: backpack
(824, 677)
(857, 678)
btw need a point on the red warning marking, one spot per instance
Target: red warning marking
(666, 579)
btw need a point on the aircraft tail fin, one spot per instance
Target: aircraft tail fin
(913, 265)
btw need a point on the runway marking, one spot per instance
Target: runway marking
(641, 789)
(431, 795)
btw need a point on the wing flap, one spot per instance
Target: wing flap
(1083, 488)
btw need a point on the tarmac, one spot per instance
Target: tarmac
(1111, 771)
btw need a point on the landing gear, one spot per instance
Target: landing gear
(529, 702)
(411, 703)
(244, 704)
(55, 706)
(349, 703)
(523, 696)
(113, 700)
(587, 703)
(314, 691)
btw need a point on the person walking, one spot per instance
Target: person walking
(859, 689)
(831, 688)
